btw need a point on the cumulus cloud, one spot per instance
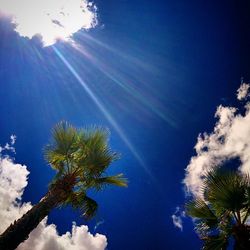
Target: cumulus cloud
(177, 218)
(49, 19)
(243, 91)
(13, 180)
(230, 139)
(45, 237)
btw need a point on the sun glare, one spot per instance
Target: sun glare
(49, 19)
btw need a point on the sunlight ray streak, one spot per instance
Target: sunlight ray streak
(104, 111)
(126, 56)
(108, 72)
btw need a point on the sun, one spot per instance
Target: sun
(49, 19)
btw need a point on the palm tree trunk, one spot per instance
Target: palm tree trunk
(19, 231)
(242, 237)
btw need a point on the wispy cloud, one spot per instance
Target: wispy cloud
(177, 218)
(9, 146)
(13, 180)
(230, 139)
(49, 19)
(12, 139)
(99, 223)
(243, 91)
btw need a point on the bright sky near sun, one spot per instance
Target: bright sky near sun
(50, 19)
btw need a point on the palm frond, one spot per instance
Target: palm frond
(200, 210)
(246, 211)
(55, 159)
(227, 200)
(225, 190)
(102, 182)
(89, 207)
(79, 200)
(216, 242)
(248, 191)
(94, 154)
(75, 199)
(62, 146)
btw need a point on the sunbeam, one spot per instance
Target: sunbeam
(125, 56)
(121, 82)
(104, 111)
(133, 66)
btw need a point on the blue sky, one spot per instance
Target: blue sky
(160, 69)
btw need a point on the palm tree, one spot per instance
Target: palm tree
(222, 213)
(80, 158)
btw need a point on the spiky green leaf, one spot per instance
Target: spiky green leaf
(102, 182)
(199, 209)
(225, 190)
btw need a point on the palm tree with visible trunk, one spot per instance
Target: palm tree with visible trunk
(222, 213)
(80, 158)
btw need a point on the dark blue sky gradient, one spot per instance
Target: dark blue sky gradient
(184, 57)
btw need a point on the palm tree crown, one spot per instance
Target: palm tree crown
(81, 158)
(223, 210)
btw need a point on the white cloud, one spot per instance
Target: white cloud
(45, 237)
(50, 19)
(9, 146)
(177, 218)
(12, 139)
(230, 139)
(13, 180)
(243, 91)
